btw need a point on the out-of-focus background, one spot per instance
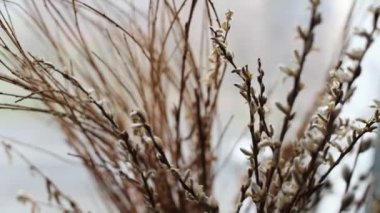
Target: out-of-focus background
(264, 29)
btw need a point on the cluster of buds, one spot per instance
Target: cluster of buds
(25, 198)
(220, 45)
(341, 76)
(142, 129)
(218, 38)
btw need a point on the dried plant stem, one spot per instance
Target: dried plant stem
(54, 192)
(190, 187)
(341, 97)
(109, 58)
(308, 41)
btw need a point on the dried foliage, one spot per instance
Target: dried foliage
(139, 111)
